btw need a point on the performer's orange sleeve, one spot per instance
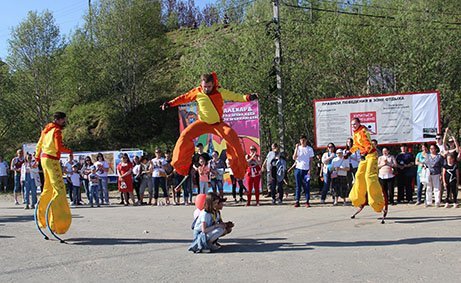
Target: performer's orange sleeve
(58, 142)
(185, 98)
(353, 149)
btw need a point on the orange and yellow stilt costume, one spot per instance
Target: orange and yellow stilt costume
(49, 149)
(366, 178)
(210, 111)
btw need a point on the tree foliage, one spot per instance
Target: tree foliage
(130, 56)
(29, 85)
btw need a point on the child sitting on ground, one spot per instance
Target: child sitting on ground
(206, 229)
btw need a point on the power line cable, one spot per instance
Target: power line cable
(336, 11)
(307, 21)
(358, 14)
(70, 7)
(239, 5)
(373, 6)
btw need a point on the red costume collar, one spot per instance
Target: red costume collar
(51, 126)
(360, 128)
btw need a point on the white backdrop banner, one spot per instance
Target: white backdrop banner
(391, 119)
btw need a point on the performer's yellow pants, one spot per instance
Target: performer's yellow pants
(55, 190)
(367, 183)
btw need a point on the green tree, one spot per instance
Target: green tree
(112, 70)
(34, 50)
(115, 71)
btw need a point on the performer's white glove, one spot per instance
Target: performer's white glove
(165, 105)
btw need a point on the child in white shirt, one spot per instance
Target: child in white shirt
(75, 179)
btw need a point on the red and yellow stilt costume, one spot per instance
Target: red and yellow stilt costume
(49, 149)
(366, 178)
(210, 111)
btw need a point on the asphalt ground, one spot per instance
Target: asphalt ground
(268, 244)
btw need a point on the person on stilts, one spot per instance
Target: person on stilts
(366, 188)
(210, 100)
(53, 211)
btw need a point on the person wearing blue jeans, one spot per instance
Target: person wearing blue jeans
(94, 194)
(30, 189)
(17, 187)
(326, 186)
(302, 184)
(217, 185)
(419, 160)
(303, 156)
(420, 190)
(187, 188)
(103, 190)
(217, 167)
(102, 167)
(28, 171)
(86, 186)
(16, 164)
(94, 187)
(327, 157)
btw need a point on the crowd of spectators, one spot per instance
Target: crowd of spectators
(430, 174)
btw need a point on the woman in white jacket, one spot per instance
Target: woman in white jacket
(29, 179)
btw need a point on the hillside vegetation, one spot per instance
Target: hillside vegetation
(112, 74)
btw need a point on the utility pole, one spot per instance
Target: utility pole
(278, 73)
(90, 15)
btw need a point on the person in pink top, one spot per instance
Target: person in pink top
(204, 175)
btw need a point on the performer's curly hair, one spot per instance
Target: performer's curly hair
(207, 78)
(59, 115)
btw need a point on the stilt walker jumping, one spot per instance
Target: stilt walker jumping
(210, 99)
(367, 188)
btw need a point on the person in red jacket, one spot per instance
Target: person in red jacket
(253, 174)
(210, 99)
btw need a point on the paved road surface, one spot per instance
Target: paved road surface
(268, 244)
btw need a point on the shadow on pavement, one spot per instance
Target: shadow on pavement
(122, 241)
(424, 219)
(25, 218)
(18, 207)
(87, 206)
(7, 237)
(259, 245)
(410, 241)
(16, 218)
(229, 245)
